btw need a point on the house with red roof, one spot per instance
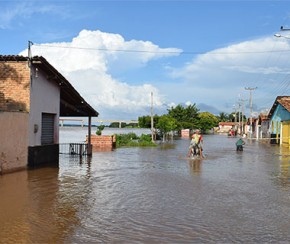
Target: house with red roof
(279, 116)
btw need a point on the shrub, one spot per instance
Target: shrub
(146, 138)
(132, 140)
(100, 128)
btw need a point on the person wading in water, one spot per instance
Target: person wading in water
(240, 144)
(195, 144)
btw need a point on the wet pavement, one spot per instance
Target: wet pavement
(153, 195)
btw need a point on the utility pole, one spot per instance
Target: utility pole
(251, 108)
(152, 121)
(235, 116)
(243, 113)
(239, 117)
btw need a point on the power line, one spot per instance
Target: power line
(162, 52)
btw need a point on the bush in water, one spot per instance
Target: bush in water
(132, 140)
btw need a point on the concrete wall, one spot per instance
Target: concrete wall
(14, 141)
(44, 98)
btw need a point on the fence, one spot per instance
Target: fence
(73, 148)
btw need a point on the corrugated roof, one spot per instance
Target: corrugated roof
(71, 102)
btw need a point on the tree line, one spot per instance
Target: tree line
(183, 117)
(188, 117)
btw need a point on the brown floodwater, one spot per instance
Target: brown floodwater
(153, 195)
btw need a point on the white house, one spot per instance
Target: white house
(33, 94)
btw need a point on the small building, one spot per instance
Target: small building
(225, 127)
(279, 116)
(33, 94)
(262, 127)
(185, 133)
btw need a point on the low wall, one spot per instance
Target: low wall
(43, 155)
(103, 142)
(14, 141)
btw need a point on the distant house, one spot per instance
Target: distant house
(33, 94)
(224, 127)
(262, 125)
(279, 116)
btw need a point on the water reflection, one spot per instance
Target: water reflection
(284, 173)
(152, 195)
(195, 165)
(14, 195)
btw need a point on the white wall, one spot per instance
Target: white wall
(44, 98)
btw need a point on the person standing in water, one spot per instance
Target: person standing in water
(196, 144)
(240, 144)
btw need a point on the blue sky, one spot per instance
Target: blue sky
(115, 53)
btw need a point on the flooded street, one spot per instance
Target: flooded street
(153, 195)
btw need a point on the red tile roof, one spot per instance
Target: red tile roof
(282, 100)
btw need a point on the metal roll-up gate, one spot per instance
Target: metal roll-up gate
(47, 129)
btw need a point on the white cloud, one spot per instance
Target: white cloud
(217, 78)
(85, 61)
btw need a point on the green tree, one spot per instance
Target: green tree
(166, 124)
(223, 117)
(207, 121)
(232, 117)
(100, 129)
(114, 125)
(186, 117)
(145, 121)
(117, 125)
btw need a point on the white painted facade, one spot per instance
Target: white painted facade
(44, 98)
